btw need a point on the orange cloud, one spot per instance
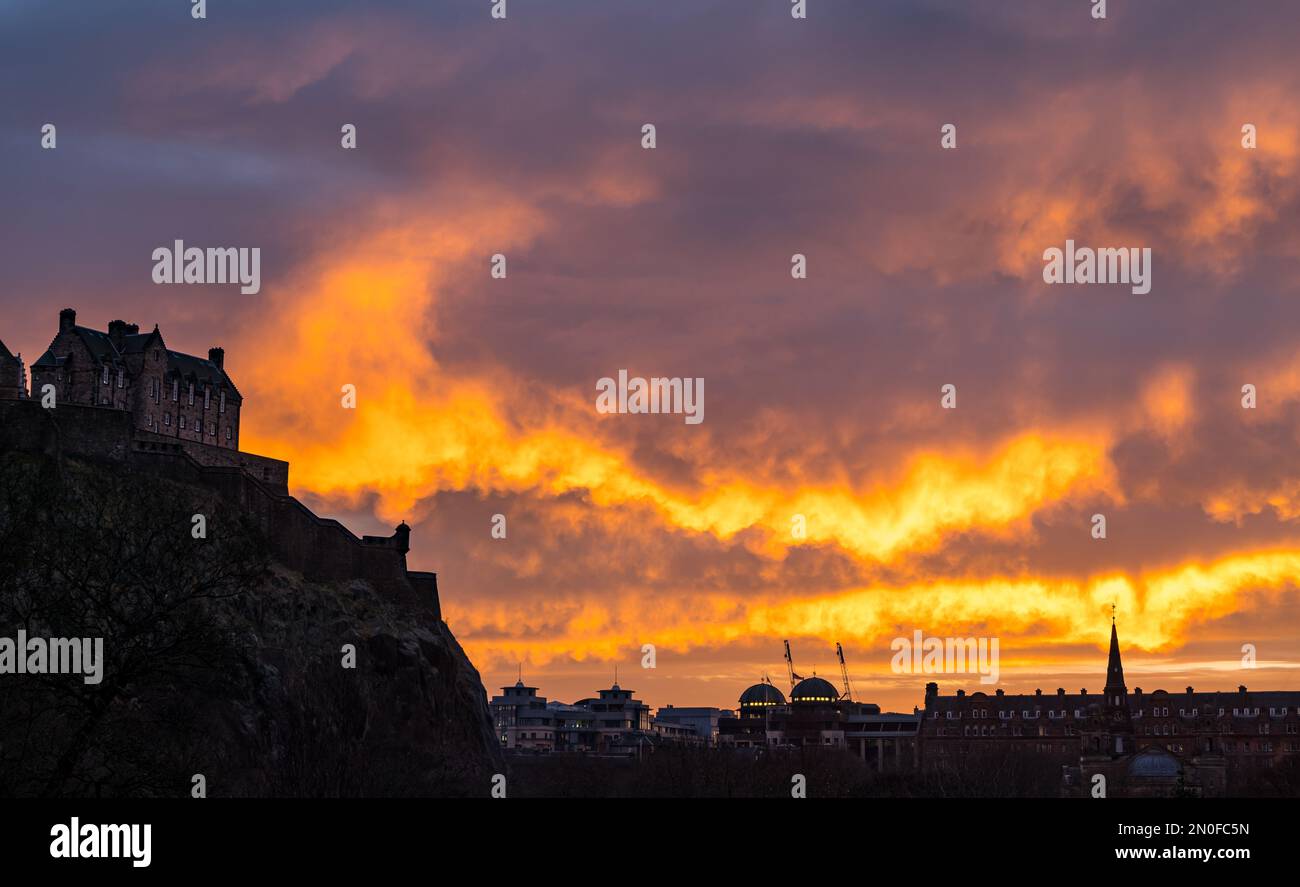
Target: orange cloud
(1159, 610)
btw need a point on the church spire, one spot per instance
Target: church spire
(1115, 688)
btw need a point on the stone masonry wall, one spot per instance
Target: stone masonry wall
(319, 548)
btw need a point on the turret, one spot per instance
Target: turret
(402, 537)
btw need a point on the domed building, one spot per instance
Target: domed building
(760, 698)
(1154, 763)
(1153, 772)
(817, 715)
(814, 690)
(754, 724)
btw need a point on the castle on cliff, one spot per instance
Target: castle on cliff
(167, 392)
(122, 397)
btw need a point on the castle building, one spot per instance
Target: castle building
(1142, 742)
(168, 393)
(13, 375)
(123, 399)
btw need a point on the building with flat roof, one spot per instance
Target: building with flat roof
(703, 720)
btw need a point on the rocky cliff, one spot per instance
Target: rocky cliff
(222, 669)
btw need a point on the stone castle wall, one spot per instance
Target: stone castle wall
(319, 548)
(272, 472)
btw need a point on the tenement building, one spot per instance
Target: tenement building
(1143, 743)
(167, 392)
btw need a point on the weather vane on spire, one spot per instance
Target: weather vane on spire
(1112, 614)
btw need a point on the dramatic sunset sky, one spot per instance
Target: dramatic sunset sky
(822, 396)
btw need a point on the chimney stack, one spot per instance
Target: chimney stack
(116, 330)
(67, 319)
(218, 356)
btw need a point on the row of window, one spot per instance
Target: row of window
(1260, 746)
(1158, 712)
(155, 392)
(1227, 745)
(1153, 730)
(198, 427)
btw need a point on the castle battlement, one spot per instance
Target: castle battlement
(321, 549)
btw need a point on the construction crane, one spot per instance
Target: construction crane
(790, 664)
(844, 672)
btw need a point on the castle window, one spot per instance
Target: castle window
(121, 378)
(182, 418)
(167, 419)
(191, 394)
(207, 397)
(229, 435)
(176, 390)
(105, 375)
(221, 406)
(151, 420)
